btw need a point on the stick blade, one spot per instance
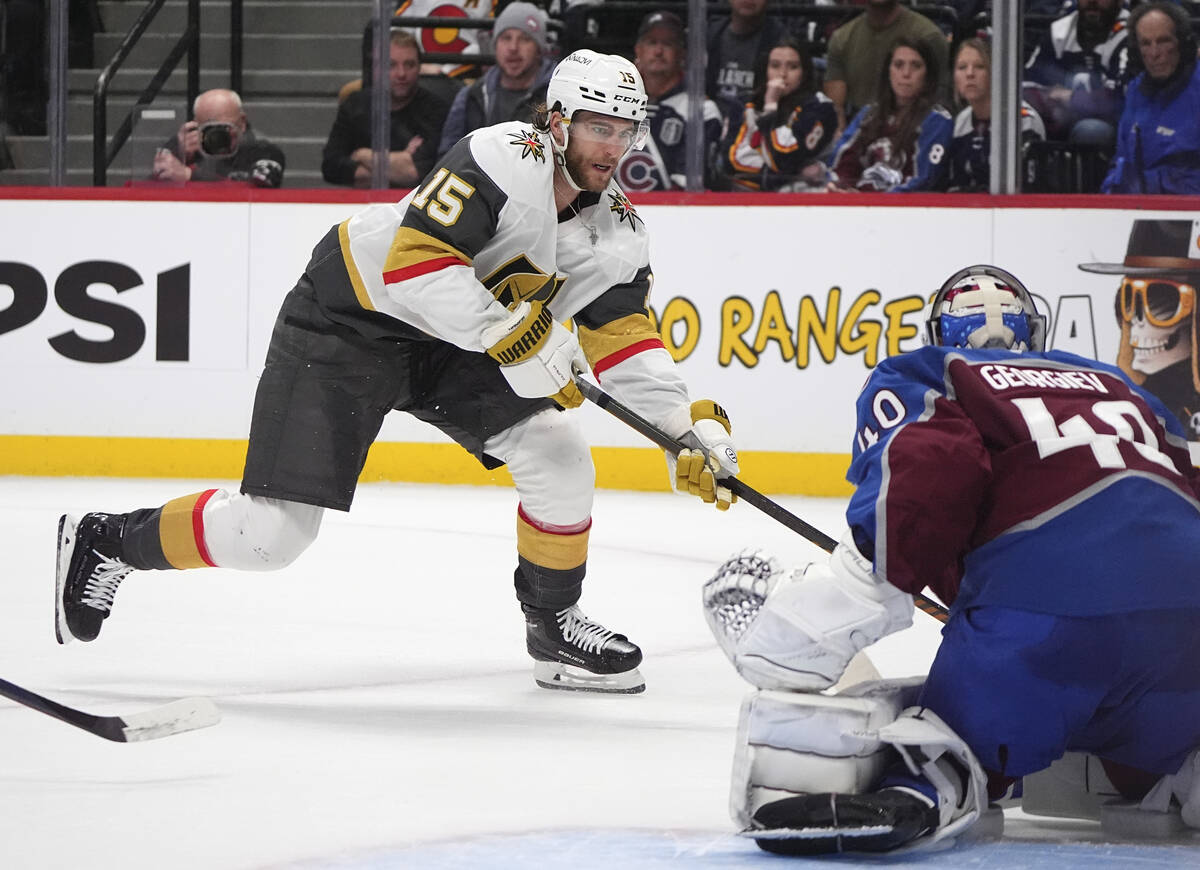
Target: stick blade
(186, 714)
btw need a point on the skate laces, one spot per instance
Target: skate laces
(101, 587)
(577, 629)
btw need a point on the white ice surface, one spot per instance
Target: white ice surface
(378, 704)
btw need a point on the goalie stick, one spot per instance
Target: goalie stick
(176, 717)
(775, 511)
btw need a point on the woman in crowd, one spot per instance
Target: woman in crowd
(900, 141)
(785, 127)
(971, 147)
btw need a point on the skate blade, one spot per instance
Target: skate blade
(556, 675)
(66, 543)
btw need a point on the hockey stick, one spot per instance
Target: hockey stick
(187, 714)
(775, 511)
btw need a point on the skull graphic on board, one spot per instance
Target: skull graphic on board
(1160, 330)
(1157, 313)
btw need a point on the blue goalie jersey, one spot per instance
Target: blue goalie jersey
(994, 477)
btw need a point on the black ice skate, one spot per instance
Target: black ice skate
(572, 652)
(90, 569)
(820, 824)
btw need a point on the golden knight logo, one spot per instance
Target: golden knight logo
(620, 205)
(530, 144)
(519, 280)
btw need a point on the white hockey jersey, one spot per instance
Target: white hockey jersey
(482, 234)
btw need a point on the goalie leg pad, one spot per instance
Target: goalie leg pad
(1184, 787)
(932, 750)
(1073, 787)
(792, 743)
(1078, 786)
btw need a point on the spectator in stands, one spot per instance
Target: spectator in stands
(1076, 75)
(417, 117)
(1158, 141)
(784, 129)
(660, 56)
(859, 49)
(971, 147)
(510, 90)
(899, 141)
(432, 78)
(737, 46)
(218, 144)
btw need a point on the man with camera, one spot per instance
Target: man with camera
(219, 145)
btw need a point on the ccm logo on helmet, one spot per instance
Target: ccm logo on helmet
(621, 98)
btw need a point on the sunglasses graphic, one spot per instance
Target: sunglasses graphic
(1161, 301)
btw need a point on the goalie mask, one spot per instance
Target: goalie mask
(983, 306)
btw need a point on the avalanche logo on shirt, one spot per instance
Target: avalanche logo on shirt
(530, 143)
(623, 208)
(638, 172)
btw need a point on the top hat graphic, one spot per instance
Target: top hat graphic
(1161, 248)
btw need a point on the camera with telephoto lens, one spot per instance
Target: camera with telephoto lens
(217, 139)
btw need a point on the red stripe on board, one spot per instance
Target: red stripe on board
(198, 526)
(394, 275)
(550, 528)
(620, 356)
(216, 192)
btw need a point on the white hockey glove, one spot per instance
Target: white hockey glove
(798, 629)
(709, 456)
(538, 355)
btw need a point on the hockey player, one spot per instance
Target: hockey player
(450, 305)
(1052, 504)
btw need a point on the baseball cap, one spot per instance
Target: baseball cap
(669, 20)
(525, 17)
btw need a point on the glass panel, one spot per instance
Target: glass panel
(152, 151)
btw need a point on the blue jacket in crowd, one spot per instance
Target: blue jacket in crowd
(1158, 140)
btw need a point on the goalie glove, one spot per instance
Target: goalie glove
(798, 629)
(538, 356)
(709, 456)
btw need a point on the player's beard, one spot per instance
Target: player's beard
(584, 174)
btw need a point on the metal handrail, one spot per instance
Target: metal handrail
(235, 46)
(189, 42)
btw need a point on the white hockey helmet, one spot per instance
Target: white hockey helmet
(604, 83)
(984, 306)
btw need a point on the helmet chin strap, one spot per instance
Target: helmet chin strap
(560, 157)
